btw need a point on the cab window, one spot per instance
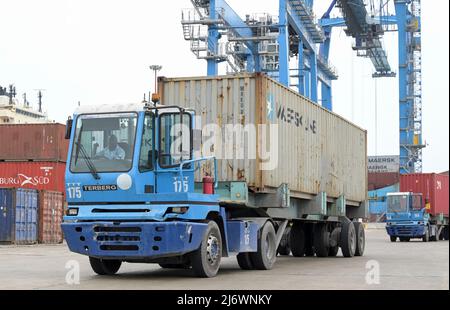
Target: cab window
(175, 142)
(146, 157)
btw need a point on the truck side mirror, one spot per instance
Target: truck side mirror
(68, 128)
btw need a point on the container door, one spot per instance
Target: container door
(19, 216)
(7, 216)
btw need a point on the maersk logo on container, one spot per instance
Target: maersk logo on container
(23, 179)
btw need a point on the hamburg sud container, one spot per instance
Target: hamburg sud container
(307, 147)
(433, 187)
(33, 175)
(36, 142)
(51, 206)
(18, 216)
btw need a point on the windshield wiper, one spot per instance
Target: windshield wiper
(88, 161)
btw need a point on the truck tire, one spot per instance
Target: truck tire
(105, 267)
(348, 239)
(297, 237)
(393, 239)
(426, 237)
(284, 248)
(309, 241)
(206, 260)
(360, 239)
(446, 233)
(334, 238)
(265, 257)
(321, 240)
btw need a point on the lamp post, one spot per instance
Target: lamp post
(156, 69)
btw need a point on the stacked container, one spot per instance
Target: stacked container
(32, 158)
(18, 216)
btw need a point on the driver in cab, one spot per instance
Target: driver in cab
(113, 151)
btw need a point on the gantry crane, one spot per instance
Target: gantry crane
(265, 43)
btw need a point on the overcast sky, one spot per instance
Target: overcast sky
(98, 51)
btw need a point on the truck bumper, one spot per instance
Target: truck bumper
(411, 231)
(133, 241)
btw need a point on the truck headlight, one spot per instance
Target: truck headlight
(72, 212)
(178, 210)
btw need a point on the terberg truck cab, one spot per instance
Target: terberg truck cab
(408, 218)
(132, 197)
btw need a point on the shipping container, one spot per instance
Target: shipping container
(382, 180)
(433, 187)
(33, 142)
(33, 175)
(19, 220)
(51, 206)
(312, 149)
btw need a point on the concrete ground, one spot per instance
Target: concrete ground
(415, 265)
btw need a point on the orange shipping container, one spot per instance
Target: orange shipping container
(51, 208)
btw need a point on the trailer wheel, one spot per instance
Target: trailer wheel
(284, 248)
(393, 239)
(297, 236)
(321, 240)
(206, 260)
(348, 239)
(360, 239)
(105, 267)
(309, 241)
(265, 257)
(245, 261)
(426, 237)
(334, 242)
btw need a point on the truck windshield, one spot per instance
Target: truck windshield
(397, 204)
(104, 143)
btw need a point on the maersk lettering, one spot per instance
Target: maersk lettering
(99, 188)
(290, 116)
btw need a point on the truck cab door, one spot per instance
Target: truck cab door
(147, 156)
(175, 146)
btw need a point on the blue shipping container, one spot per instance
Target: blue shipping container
(7, 215)
(26, 216)
(18, 216)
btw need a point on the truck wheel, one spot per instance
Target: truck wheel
(174, 266)
(321, 240)
(284, 247)
(360, 239)
(446, 233)
(104, 267)
(334, 238)
(393, 239)
(266, 256)
(309, 242)
(297, 236)
(348, 239)
(426, 237)
(206, 260)
(245, 261)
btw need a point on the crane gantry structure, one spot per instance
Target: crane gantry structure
(266, 43)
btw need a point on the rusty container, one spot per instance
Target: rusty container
(33, 142)
(51, 208)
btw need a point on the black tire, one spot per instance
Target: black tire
(348, 239)
(206, 260)
(446, 233)
(334, 249)
(297, 237)
(309, 242)
(265, 257)
(393, 239)
(321, 240)
(174, 266)
(426, 237)
(284, 248)
(104, 267)
(245, 261)
(405, 239)
(360, 239)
